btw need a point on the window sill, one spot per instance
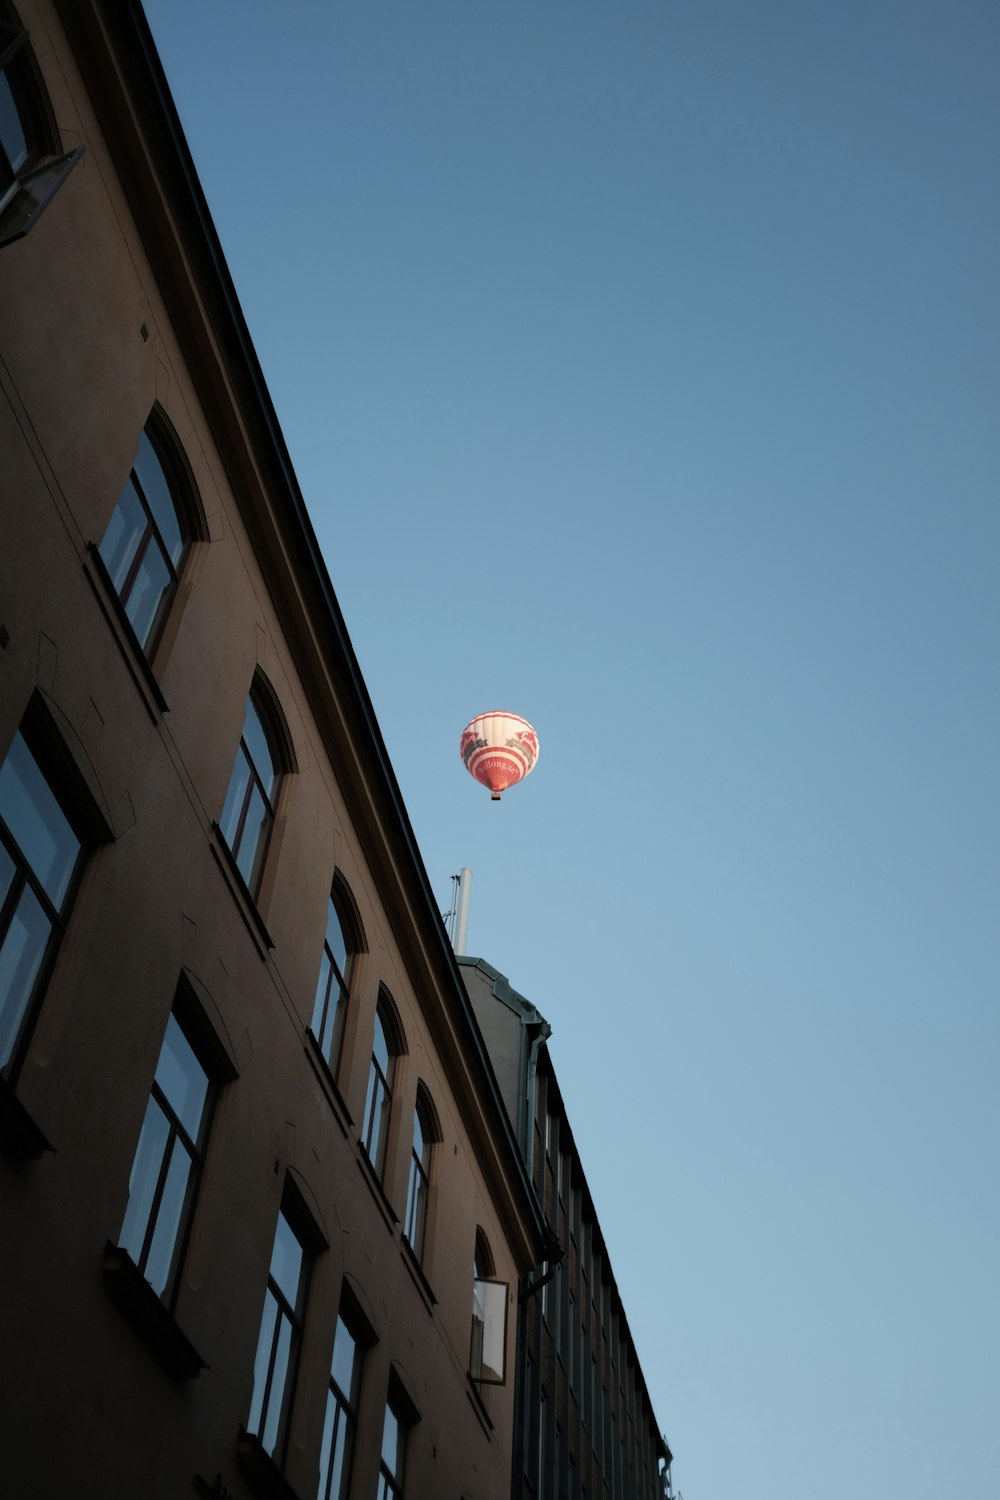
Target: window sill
(135, 1298)
(125, 637)
(478, 1405)
(260, 1470)
(245, 903)
(321, 1068)
(20, 1138)
(377, 1190)
(416, 1270)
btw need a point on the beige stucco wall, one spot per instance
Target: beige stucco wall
(86, 1410)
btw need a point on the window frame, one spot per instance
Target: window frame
(261, 698)
(418, 1189)
(290, 1213)
(484, 1275)
(346, 1405)
(334, 978)
(182, 495)
(419, 1186)
(391, 1481)
(379, 1092)
(196, 1150)
(37, 743)
(27, 188)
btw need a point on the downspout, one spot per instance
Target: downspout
(537, 1033)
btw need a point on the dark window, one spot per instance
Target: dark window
(168, 1160)
(29, 177)
(420, 1176)
(248, 812)
(146, 538)
(379, 1097)
(280, 1338)
(390, 1472)
(341, 1423)
(40, 856)
(332, 990)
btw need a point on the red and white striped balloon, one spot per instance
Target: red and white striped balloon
(498, 749)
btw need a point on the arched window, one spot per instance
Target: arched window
(395, 1428)
(148, 535)
(488, 1350)
(354, 1335)
(482, 1261)
(333, 987)
(29, 177)
(425, 1133)
(248, 812)
(386, 1046)
(279, 1342)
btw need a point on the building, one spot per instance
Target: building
(265, 1214)
(584, 1421)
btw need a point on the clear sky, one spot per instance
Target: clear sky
(639, 361)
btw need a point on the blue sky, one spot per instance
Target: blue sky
(639, 363)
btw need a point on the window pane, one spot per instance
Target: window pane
(251, 850)
(168, 1219)
(476, 1352)
(482, 1264)
(286, 1261)
(344, 1360)
(7, 868)
(335, 939)
(374, 1118)
(146, 594)
(341, 1459)
(158, 497)
(182, 1079)
(12, 134)
(321, 989)
(125, 531)
(325, 1452)
(390, 1441)
(238, 783)
(142, 1183)
(262, 1361)
(21, 957)
(276, 1396)
(259, 748)
(335, 1025)
(369, 1106)
(380, 1047)
(416, 1208)
(492, 1299)
(37, 822)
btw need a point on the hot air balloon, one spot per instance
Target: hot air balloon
(498, 749)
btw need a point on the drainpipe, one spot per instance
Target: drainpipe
(538, 1033)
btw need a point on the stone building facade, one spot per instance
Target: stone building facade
(265, 1215)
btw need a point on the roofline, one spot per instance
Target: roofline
(122, 27)
(530, 1015)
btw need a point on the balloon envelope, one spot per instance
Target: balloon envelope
(498, 749)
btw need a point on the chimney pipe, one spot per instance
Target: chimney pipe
(462, 910)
